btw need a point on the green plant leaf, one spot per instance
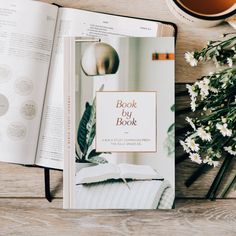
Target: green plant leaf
(87, 127)
(172, 108)
(171, 128)
(82, 130)
(91, 125)
(94, 153)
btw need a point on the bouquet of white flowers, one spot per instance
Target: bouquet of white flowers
(213, 98)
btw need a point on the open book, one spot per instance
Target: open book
(31, 73)
(109, 171)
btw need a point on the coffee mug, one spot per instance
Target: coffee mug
(202, 13)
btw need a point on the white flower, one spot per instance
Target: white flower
(214, 90)
(193, 95)
(215, 163)
(189, 57)
(204, 87)
(230, 62)
(195, 158)
(191, 91)
(224, 130)
(210, 162)
(185, 147)
(193, 104)
(217, 53)
(224, 80)
(217, 155)
(192, 145)
(203, 134)
(230, 150)
(190, 121)
(223, 119)
(206, 80)
(210, 151)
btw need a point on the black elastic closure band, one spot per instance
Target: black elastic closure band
(47, 184)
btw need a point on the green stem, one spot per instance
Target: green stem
(228, 186)
(205, 50)
(219, 177)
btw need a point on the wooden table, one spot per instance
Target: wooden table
(24, 211)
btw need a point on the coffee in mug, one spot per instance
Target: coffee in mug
(202, 13)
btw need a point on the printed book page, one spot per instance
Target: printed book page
(99, 173)
(119, 98)
(26, 38)
(73, 22)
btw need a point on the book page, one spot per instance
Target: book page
(72, 22)
(130, 171)
(26, 38)
(97, 173)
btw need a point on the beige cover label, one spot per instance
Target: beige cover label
(126, 122)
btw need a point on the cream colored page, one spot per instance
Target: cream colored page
(26, 36)
(72, 22)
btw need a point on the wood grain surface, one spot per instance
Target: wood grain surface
(22, 181)
(191, 217)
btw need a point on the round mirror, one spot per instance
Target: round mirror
(100, 59)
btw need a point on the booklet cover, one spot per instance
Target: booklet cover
(119, 123)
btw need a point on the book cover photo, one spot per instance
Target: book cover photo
(119, 123)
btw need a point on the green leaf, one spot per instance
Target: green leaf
(91, 125)
(82, 130)
(94, 153)
(172, 108)
(171, 128)
(87, 127)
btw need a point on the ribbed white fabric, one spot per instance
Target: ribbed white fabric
(141, 194)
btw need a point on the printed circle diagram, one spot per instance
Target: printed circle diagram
(28, 110)
(4, 104)
(16, 131)
(23, 86)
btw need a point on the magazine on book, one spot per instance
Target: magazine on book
(119, 123)
(31, 73)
